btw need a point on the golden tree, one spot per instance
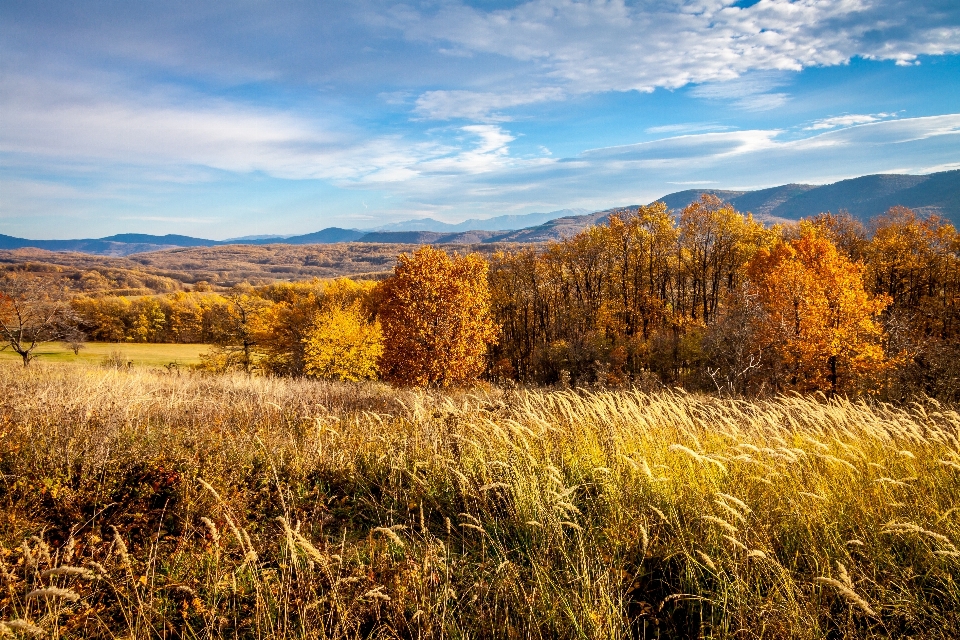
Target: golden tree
(435, 312)
(818, 320)
(343, 345)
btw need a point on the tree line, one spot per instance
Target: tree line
(706, 299)
(712, 299)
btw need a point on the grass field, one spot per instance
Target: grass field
(141, 504)
(144, 355)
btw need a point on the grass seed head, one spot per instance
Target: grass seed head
(51, 593)
(391, 534)
(849, 594)
(211, 529)
(72, 572)
(121, 548)
(707, 560)
(723, 524)
(25, 627)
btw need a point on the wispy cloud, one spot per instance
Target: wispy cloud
(848, 120)
(686, 127)
(640, 173)
(73, 125)
(752, 92)
(482, 106)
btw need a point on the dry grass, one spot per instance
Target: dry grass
(140, 505)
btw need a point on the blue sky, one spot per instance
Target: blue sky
(251, 117)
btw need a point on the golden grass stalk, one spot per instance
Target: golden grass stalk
(22, 626)
(849, 594)
(51, 593)
(391, 534)
(71, 572)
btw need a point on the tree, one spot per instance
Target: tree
(818, 321)
(33, 311)
(75, 339)
(343, 345)
(916, 262)
(435, 313)
(235, 327)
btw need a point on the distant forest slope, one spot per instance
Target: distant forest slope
(219, 267)
(865, 197)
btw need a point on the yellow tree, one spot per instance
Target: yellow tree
(817, 319)
(435, 312)
(343, 345)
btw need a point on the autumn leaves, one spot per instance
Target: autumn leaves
(817, 318)
(710, 297)
(436, 319)
(432, 325)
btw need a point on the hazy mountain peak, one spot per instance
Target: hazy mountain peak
(507, 222)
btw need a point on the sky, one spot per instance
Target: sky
(225, 119)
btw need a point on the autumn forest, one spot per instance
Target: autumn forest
(708, 299)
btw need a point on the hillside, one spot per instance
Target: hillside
(181, 269)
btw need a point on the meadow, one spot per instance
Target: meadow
(148, 504)
(116, 353)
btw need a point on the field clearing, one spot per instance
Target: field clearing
(147, 505)
(94, 353)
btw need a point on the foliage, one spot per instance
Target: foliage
(618, 301)
(291, 508)
(343, 345)
(916, 263)
(435, 313)
(236, 333)
(817, 319)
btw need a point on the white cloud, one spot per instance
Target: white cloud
(848, 120)
(752, 92)
(687, 127)
(483, 106)
(610, 45)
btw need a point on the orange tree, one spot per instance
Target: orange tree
(435, 314)
(818, 324)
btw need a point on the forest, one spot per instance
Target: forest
(708, 299)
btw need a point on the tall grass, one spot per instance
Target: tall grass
(142, 505)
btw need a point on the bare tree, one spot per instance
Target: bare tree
(75, 339)
(734, 359)
(33, 311)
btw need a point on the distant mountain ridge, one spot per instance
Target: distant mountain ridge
(498, 223)
(864, 197)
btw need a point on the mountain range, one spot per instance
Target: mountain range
(863, 197)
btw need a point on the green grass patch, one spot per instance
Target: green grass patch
(94, 353)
